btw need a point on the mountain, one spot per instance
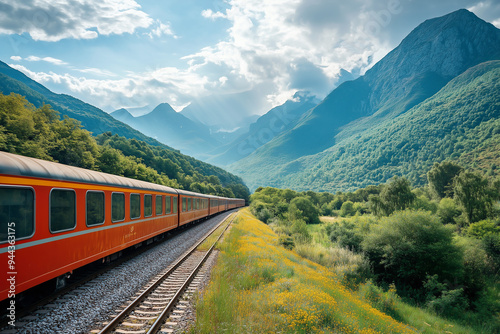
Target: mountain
(269, 125)
(172, 128)
(460, 122)
(93, 119)
(123, 115)
(433, 54)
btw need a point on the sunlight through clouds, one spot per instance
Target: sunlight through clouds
(270, 48)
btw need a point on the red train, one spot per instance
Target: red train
(60, 218)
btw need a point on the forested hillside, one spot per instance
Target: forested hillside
(93, 119)
(376, 126)
(460, 122)
(39, 133)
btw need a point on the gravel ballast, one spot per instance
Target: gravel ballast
(85, 308)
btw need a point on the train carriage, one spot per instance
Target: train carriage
(193, 206)
(60, 218)
(64, 217)
(214, 205)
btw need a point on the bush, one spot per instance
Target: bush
(491, 244)
(448, 211)
(408, 245)
(476, 265)
(483, 228)
(382, 301)
(424, 204)
(303, 208)
(345, 235)
(347, 209)
(286, 241)
(261, 211)
(450, 303)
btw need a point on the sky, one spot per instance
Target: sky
(129, 54)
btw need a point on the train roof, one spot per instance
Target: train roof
(191, 193)
(13, 164)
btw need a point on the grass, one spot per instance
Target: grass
(260, 287)
(327, 219)
(205, 246)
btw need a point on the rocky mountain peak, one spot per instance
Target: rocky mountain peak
(446, 45)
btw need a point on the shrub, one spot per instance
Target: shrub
(408, 245)
(286, 241)
(448, 211)
(303, 208)
(483, 228)
(491, 244)
(383, 301)
(423, 203)
(300, 233)
(344, 234)
(450, 303)
(347, 209)
(261, 211)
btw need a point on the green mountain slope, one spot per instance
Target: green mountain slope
(460, 122)
(434, 53)
(93, 119)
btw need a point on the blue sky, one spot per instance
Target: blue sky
(116, 54)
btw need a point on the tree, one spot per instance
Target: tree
(303, 208)
(409, 245)
(396, 195)
(347, 209)
(440, 178)
(474, 195)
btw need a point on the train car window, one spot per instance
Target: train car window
(135, 206)
(148, 205)
(175, 205)
(168, 208)
(159, 205)
(117, 207)
(189, 204)
(62, 210)
(95, 208)
(17, 212)
(184, 204)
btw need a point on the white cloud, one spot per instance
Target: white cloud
(51, 60)
(161, 29)
(97, 71)
(46, 20)
(273, 47)
(304, 44)
(279, 40)
(160, 85)
(209, 14)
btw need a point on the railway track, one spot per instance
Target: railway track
(160, 301)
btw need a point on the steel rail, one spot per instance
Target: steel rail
(166, 312)
(123, 314)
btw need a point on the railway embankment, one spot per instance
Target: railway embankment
(259, 286)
